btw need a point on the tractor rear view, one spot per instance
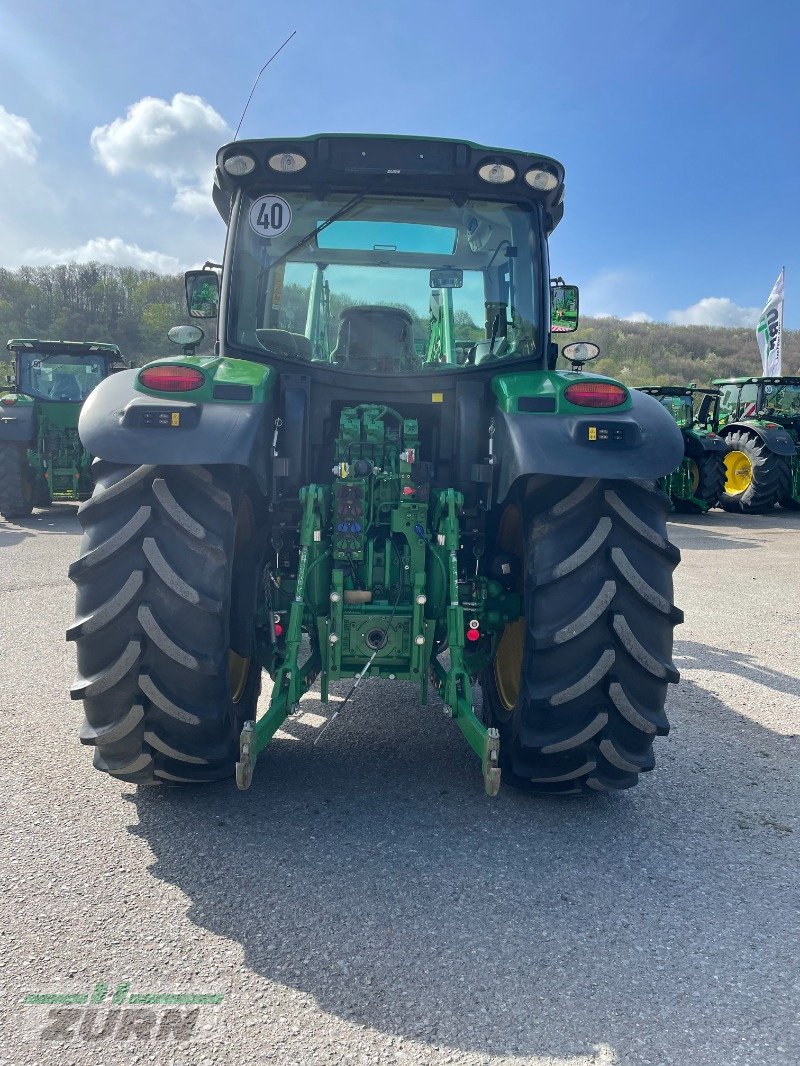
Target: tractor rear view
(761, 426)
(41, 455)
(381, 473)
(697, 484)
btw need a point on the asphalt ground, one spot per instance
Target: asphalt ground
(366, 903)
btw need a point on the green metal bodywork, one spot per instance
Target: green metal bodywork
(511, 388)
(220, 371)
(58, 463)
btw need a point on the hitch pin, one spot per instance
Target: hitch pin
(278, 423)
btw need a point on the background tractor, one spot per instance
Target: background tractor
(380, 473)
(698, 483)
(761, 426)
(41, 455)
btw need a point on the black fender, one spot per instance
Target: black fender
(642, 442)
(112, 427)
(17, 422)
(697, 444)
(777, 440)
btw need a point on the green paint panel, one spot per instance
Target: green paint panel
(511, 388)
(218, 371)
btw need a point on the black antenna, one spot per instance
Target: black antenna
(250, 97)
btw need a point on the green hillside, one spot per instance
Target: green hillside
(135, 308)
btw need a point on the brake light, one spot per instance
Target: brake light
(7, 401)
(171, 378)
(595, 394)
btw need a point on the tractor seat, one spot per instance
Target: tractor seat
(372, 338)
(282, 342)
(65, 387)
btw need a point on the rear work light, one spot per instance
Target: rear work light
(595, 394)
(171, 378)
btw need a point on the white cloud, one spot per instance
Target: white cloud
(173, 141)
(195, 202)
(112, 250)
(18, 140)
(715, 311)
(638, 316)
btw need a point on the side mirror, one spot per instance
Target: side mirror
(202, 293)
(563, 308)
(580, 352)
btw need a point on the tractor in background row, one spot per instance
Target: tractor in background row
(380, 473)
(41, 455)
(697, 484)
(760, 420)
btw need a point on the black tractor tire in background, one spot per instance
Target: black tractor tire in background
(167, 584)
(769, 475)
(16, 481)
(578, 693)
(710, 484)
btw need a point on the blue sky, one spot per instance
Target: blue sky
(677, 123)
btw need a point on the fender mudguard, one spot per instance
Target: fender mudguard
(642, 442)
(122, 425)
(777, 440)
(696, 445)
(18, 422)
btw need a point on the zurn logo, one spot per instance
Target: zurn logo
(106, 1014)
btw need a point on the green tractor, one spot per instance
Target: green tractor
(380, 473)
(697, 484)
(41, 456)
(761, 426)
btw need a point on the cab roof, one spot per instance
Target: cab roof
(68, 347)
(786, 379)
(377, 163)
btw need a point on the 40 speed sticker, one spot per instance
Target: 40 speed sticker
(270, 216)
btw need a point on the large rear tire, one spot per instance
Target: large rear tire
(578, 686)
(167, 582)
(708, 483)
(16, 481)
(755, 475)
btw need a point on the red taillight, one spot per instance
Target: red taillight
(171, 378)
(595, 394)
(7, 401)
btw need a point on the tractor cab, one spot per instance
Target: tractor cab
(61, 371)
(691, 407)
(772, 399)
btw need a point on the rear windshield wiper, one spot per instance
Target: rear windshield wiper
(356, 200)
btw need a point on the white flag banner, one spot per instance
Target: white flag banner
(769, 332)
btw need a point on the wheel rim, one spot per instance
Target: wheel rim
(508, 658)
(239, 665)
(508, 663)
(694, 476)
(738, 473)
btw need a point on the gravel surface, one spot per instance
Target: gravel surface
(366, 903)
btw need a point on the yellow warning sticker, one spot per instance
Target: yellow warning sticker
(592, 432)
(175, 418)
(437, 397)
